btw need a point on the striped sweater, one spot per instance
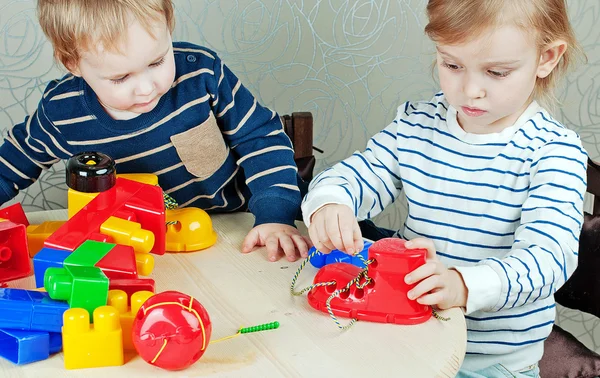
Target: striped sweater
(504, 209)
(208, 140)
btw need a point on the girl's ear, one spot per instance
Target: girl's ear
(551, 55)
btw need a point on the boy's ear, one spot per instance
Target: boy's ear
(551, 55)
(72, 68)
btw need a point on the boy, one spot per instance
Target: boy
(172, 109)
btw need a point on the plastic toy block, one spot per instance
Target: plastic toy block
(321, 259)
(127, 199)
(190, 229)
(38, 233)
(89, 253)
(97, 345)
(55, 342)
(81, 286)
(132, 286)
(15, 214)
(30, 311)
(130, 233)
(118, 299)
(120, 263)
(14, 256)
(144, 263)
(47, 258)
(23, 347)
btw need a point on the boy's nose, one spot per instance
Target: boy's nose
(472, 88)
(145, 88)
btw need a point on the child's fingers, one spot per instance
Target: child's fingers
(357, 236)
(423, 287)
(422, 272)
(423, 243)
(433, 299)
(288, 247)
(301, 245)
(347, 232)
(332, 227)
(272, 245)
(250, 241)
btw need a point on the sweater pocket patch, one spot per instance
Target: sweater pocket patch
(202, 149)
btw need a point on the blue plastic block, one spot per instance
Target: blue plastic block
(321, 259)
(30, 310)
(23, 347)
(55, 342)
(47, 258)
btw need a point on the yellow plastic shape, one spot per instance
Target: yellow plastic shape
(77, 200)
(38, 233)
(88, 345)
(118, 299)
(130, 233)
(192, 231)
(144, 263)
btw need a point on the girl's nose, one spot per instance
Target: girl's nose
(472, 87)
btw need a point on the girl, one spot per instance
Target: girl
(494, 183)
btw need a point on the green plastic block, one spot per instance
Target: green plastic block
(88, 253)
(81, 286)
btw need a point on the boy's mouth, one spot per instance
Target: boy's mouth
(473, 112)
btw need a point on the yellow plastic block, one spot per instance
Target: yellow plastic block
(118, 300)
(77, 200)
(190, 230)
(88, 345)
(38, 233)
(144, 263)
(128, 233)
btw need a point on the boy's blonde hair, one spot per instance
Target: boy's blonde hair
(458, 21)
(74, 26)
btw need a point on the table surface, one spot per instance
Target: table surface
(244, 290)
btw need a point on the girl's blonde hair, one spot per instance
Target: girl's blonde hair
(73, 26)
(458, 21)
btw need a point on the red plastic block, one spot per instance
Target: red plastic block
(130, 200)
(15, 214)
(384, 298)
(130, 286)
(119, 263)
(14, 255)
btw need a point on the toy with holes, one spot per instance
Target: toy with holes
(14, 254)
(319, 259)
(376, 293)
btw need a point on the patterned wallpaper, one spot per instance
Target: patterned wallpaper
(349, 62)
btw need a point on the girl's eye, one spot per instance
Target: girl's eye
(452, 67)
(499, 73)
(156, 64)
(119, 80)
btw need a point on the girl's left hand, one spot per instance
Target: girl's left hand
(436, 284)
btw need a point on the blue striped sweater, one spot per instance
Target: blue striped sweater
(208, 140)
(504, 209)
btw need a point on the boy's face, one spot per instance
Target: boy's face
(132, 81)
(489, 80)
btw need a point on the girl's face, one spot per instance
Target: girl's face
(489, 80)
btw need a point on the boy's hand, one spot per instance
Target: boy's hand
(334, 226)
(280, 239)
(437, 285)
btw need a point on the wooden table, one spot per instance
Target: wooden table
(245, 289)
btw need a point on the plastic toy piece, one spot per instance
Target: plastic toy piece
(129, 200)
(119, 300)
(88, 173)
(97, 345)
(128, 233)
(320, 259)
(116, 261)
(81, 286)
(24, 347)
(171, 330)
(47, 258)
(30, 310)
(38, 233)
(14, 256)
(132, 286)
(383, 299)
(190, 229)
(15, 214)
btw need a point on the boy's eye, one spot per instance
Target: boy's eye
(450, 66)
(499, 73)
(156, 64)
(119, 80)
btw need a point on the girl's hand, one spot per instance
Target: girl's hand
(334, 226)
(436, 285)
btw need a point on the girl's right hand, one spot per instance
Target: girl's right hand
(334, 226)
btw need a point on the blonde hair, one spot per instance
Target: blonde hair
(458, 21)
(73, 26)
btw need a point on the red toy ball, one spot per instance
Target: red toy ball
(171, 330)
